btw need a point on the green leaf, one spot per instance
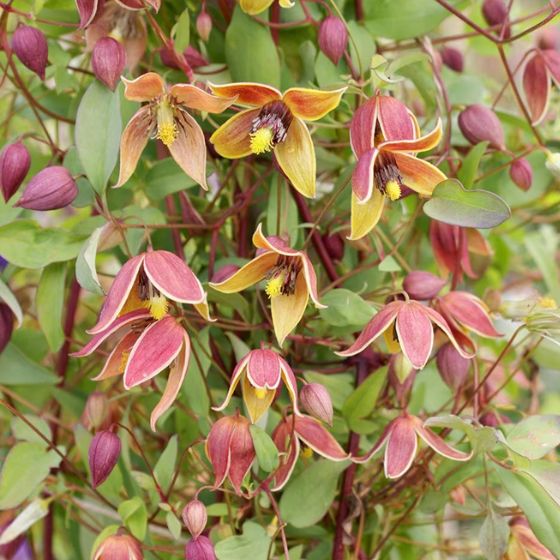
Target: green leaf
(98, 133)
(165, 467)
(494, 535)
(17, 369)
(134, 514)
(547, 475)
(282, 215)
(267, 452)
(10, 300)
(362, 401)
(86, 273)
(180, 33)
(250, 51)
(199, 364)
(49, 302)
(345, 308)
(240, 349)
(542, 246)
(166, 177)
(308, 496)
(452, 204)
(23, 432)
(253, 544)
(469, 167)
(173, 524)
(535, 436)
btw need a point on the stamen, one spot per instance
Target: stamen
(393, 190)
(260, 392)
(270, 127)
(262, 140)
(547, 303)
(307, 452)
(387, 176)
(158, 307)
(167, 130)
(274, 286)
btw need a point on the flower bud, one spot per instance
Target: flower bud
(452, 58)
(521, 173)
(204, 25)
(334, 244)
(452, 367)
(224, 273)
(119, 547)
(194, 58)
(108, 60)
(316, 400)
(422, 285)
(96, 413)
(549, 38)
(14, 165)
(104, 452)
(495, 12)
(6, 325)
(200, 548)
(30, 46)
(333, 38)
(50, 189)
(195, 517)
(479, 124)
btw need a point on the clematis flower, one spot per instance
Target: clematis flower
(400, 440)
(230, 448)
(254, 7)
(384, 139)
(523, 544)
(407, 326)
(89, 9)
(260, 373)
(165, 117)
(288, 436)
(290, 281)
(542, 68)
(275, 121)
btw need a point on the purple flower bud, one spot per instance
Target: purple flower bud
(30, 46)
(195, 517)
(204, 25)
(479, 124)
(6, 325)
(104, 452)
(194, 58)
(495, 12)
(333, 38)
(50, 189)
(452, 58)
(200, 548)
(334, 244)
(452, 367)
(108, 60)
(224, 273)
(96, 414)
(422, 285)
(316, 400)
(14, 165)
(521, 174)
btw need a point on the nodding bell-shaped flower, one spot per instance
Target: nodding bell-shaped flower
(230, 448)
(275, 121)
(407, 326)
(200, 548)
(119, 547)
(523, 544)
(165, 117)
(400, 440)
(290, 279)
(384, 136)
(261, 372)
(254, 7)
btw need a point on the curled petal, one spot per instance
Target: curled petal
(232, 139)
(116, 362)
(203, 309)
(394, 119)
(254, 7)
(263, 369)
(362, 127)
(249, 274)
(416, 334)
(419, 175)
(401, 447)
(469, 311)
(287, 310)
(364, 217)
(275, 244)
(363, 177)
(296, 157)
(242, 453)
(144, 88)
(196, 98)
(314, 435)
(439, 445)
(218, 447)
(247, 94)
(536, 84)
(311, 281)
(291, 383)
(422, 144)
(238, 372)
(455, 336)
(288, 446)
(312, 104)
(87, 10)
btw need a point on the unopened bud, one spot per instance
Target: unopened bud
(224, 272)
(108, 60)
(333, 38)
(495, 12)
(104, 452)
(6, 325)
(50, 189)
(30, 46)
(452, 367)
(521, 174)
(316, 400)
(194, 58)
(195, 517)
(119, 547)
(480, 124)
(452, 58)
(422, 285)
(334, 244)
(14, 165)
(96, 414)
(204, 25)
(200, 548)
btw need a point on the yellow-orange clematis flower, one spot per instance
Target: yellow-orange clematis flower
(275, 121)
(254, 7)
(165, 117)
(290, 281)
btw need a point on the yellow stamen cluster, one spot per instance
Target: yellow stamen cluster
(261, 140)
(547, 303)
(158, 306)
(307, 452)
(167, 130)
(261, 392)
(393, 190)
(273, 287)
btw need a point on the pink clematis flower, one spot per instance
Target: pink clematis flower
(165, 116)
(261, 372)
(542, 68)
(400, 440)
(290, 281)
(407, 326)
(89, 9)
(309, 431)
(384, 136)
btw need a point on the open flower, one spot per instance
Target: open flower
(400, 439)
(275, 122)
(542, 68)
(309, 431)
(254, 7)
(407, 326)
(260, 373)
(523, 544)
(165, 117)
(290, 281)
(384, 138)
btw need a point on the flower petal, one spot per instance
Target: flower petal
(144, 88)
(87, 10)
(422, 144)
(287, 310)
(203, 309)
(242, 453)
(415, 332)
(238, 372)
(116, 362)
(263, 369)
(380, 322)
(256, 403)
(364, 217)
(450, 332)
(394, 119)
(417, 174)
(363, 183)
(172, 277)
(296, 157)
(133, 141)
(401, 447)
(272, 243)
(311, 281)
(288, 447)
(536, 84)
(290, 381)
(196, 98)
(232, 139)
(312, 104)
(177, 374)
(218, 447)
(552, 61)
(362, 127)
(314, 435)
(376, 447)
(251, 273)
(248, 94)
(439, 445)
(470, 312)
(254, 7)
(156, 348)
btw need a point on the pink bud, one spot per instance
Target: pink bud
(316, 400)
(195, 517)
(521, 174)
(194, 58)
(6, 325)
(204, 25)
(224, 273)
(30, 46)
(14, 165)
(200, 548)
(452, 58)
(96, 412)
(50, 189)
(104, 452)
(108, 60)
(452, 367)
(119, 547)
(334, 244)
(422, 285)
(479, 124)
(333, 38)
(495, 12)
